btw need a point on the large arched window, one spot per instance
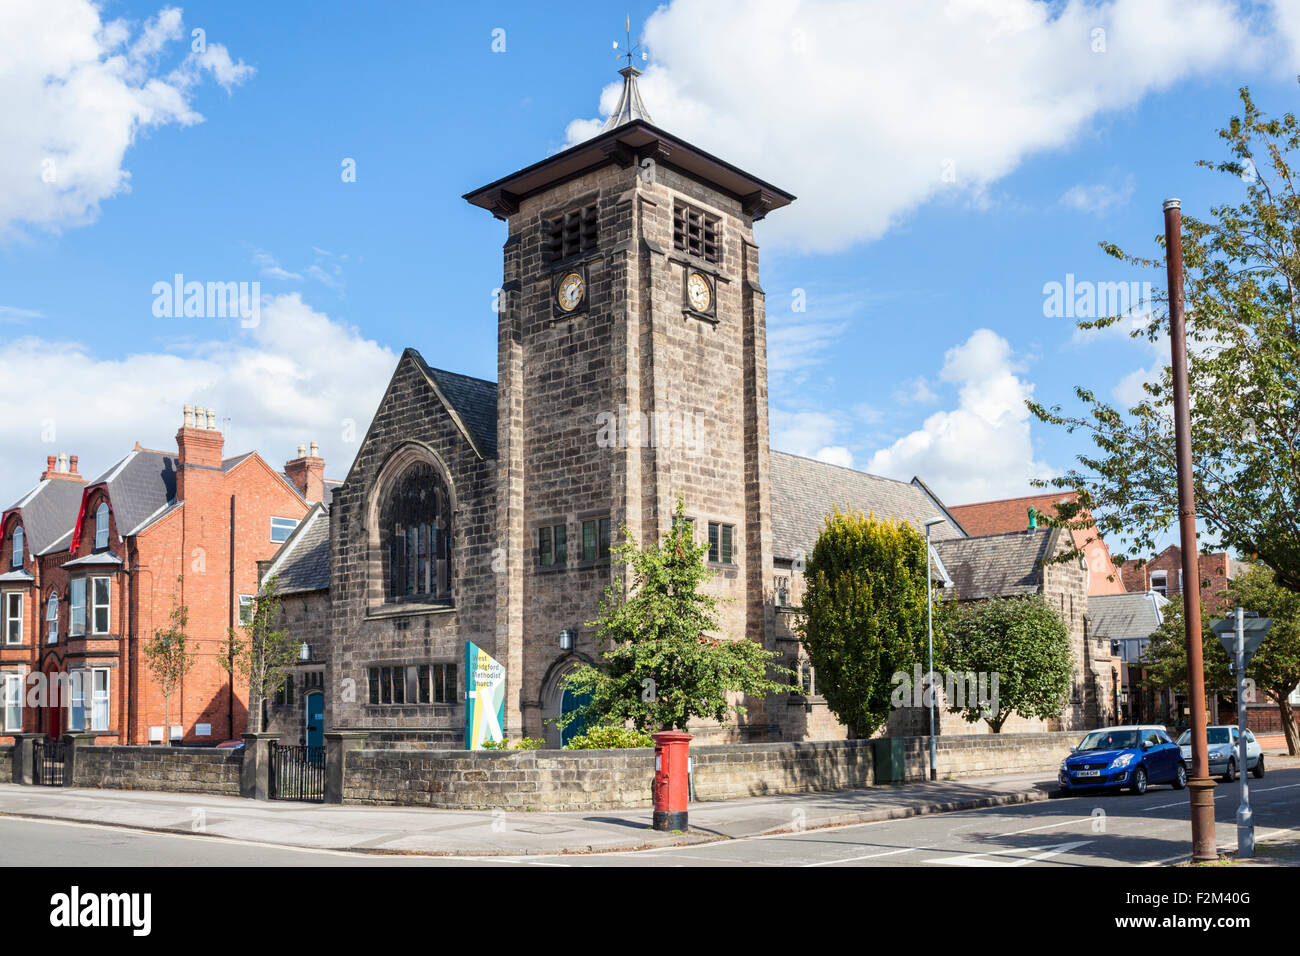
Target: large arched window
(415, 529)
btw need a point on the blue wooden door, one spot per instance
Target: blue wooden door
(315, 701)
(572, 701)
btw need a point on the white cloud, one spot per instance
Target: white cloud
(1286, 22)
(11, 313)
(908, 92)
(1099, 198)
(298, 376)
(982, 449)
(77, 93)
(810, 434)
(271, 267)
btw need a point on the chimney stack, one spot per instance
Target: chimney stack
(198, 441)
(57, 467)
(307, 472)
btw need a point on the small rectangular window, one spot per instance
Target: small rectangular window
(552, 548)
(281, 528)
(575, 231)
(374, 685)
(100, 593)
(101, 526)
(720, 542)
(425, 684)
(695, 232)
(52, 619)
(589, 541)
(13, 606)
(13, 693)
(77, 603)
(77, 691)
(602, 539)
(397, 676)
(99, 708)
(18, 547)
(247, 604)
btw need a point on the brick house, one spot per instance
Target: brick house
(155, 527)
(1163, 574)
(1014, 514)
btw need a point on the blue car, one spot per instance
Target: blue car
(1134, 756)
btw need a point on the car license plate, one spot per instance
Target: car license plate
(1088, 773)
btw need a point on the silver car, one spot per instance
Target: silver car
(1225, 747)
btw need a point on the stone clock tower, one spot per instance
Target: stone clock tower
(632, 370)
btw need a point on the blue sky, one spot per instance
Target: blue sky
(950, 159)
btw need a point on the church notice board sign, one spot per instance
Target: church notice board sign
(485, 697)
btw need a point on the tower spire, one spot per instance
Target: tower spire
(629, 106)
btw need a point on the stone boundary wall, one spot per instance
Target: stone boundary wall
(557, 780)
(184, 769)
(986, 754)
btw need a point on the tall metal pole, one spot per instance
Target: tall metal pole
(1200, 786)
(1245, 818)
(929, 624)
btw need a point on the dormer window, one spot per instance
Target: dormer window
(573, 232)
(52, 618)
(101, 526)
(18, 547)
(696, 232)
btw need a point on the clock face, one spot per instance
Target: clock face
(698, 292)
(569, 294)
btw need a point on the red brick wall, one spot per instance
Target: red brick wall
(1213, 575)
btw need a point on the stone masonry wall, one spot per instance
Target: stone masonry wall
(185, 769)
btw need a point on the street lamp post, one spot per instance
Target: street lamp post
(929, 623)
(1241, 637)
(1200, 787)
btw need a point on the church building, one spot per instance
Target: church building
(632, 370)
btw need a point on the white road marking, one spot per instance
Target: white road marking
(1048, 826)
(975, 859)
(869, 856)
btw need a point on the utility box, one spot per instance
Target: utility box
(889, 756)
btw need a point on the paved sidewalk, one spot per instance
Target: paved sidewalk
(484, 833)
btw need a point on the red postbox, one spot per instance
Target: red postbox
(672, 779)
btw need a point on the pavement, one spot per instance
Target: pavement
(396, 830)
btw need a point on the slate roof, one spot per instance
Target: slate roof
(1117, 616)
(1012, 514)
(804, 491)
(140, 486)
(473, 399)
(999, 565)
(49, 512)
(303, 561)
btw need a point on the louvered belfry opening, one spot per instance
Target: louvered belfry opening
(574, 232)
(695, 232)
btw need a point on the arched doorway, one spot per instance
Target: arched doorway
(50, 716)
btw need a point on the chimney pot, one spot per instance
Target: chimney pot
(63, 461)
(189, 416)
(73, 463)
(302, 451)
(315, 450)
(212, 419)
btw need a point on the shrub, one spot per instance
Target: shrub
(610, 738)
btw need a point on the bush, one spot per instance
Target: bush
(610, 738)
(523, 743)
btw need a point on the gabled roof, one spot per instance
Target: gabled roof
(141, 486)
(999, 565)
(805, 490)
(303, 561)
(471, 401)
(1012, 514)
(1117, 616)
(48, 512)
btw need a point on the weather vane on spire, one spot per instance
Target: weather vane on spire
(630, 48)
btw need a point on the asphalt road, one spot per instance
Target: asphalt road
(1100, 830)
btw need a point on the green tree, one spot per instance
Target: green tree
(863, 614)
(263, 653)
(168, 656)
(1166, 659)
(1023, 647)
(1243, 325)
(1275, 668)
(663, 667)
